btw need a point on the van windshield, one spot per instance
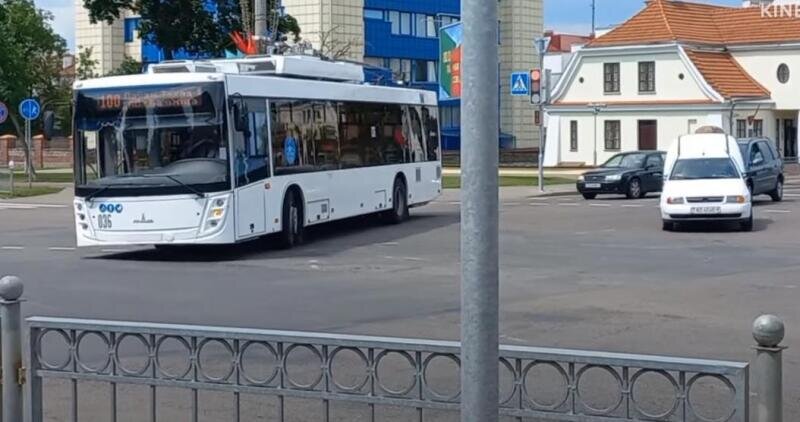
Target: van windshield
(704, 168)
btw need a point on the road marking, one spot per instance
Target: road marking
(60, 248)
(113, 250)
(792, 195)
(568, 204)
(388, 244)
(12, 248)
(779, 211)
(453, 203)
(411, 258)
(631, 206)
(539, 204)
(600, 205)
(20, 204)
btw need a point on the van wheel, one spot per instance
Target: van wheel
(292, 221)
(777, 194)
(634, 190)
(399, 211)
(747, 225)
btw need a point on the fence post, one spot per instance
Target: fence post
(768, 331)
(11, 332)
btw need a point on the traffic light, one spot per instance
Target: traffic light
(536, 86)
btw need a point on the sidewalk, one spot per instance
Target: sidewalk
(527, 172)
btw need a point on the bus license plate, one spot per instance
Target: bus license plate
(706, 210)
(593, 185)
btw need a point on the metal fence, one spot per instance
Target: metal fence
(370, 363)
(370, 373)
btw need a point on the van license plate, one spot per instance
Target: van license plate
(706, 210)
(593, 185)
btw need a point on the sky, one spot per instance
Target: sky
(569, 16)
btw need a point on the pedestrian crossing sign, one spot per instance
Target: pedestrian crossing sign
(520, 84)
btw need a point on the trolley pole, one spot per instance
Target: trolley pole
(479, 213)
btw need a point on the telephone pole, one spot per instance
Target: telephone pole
(594, 14)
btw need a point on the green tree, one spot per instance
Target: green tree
(85, 64)
(129, 66)
(186, 25)
(31, 58)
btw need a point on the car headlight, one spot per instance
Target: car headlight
(613, 177)
(581, 178)
(676, 200)
(736, 199)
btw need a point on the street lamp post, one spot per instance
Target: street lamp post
(596, 108)
(479, 214)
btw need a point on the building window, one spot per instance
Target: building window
(783, 73)
(612, 135)
(394, 18)
(430, 26)
(445, 20)
(131, 25)
(647, 76)
(401, 68)
(573, 135)
(758, 129)
(405, 23)
(420, 26)
(373, 14)
(611, 78)
(741, 128)
(424, 71)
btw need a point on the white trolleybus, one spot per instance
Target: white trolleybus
(222, 151)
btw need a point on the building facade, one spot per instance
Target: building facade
(401, 35)
(671, 68)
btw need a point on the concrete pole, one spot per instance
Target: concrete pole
(11, 327)
(479, 213)
(768, 331)
(260, 27)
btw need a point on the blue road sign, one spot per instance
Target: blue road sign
(29, 109)
(3, 113)
(520, 84)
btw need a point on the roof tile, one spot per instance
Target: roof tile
(725, 75)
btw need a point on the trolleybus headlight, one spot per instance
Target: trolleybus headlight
(219, 202)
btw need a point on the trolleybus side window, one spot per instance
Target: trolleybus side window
(293, 136)
(251, 159)
(415, 149)
(431, 124)
(306, 136)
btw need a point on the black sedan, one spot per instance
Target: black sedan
(632, 174)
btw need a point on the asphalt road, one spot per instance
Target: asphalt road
(576, 274)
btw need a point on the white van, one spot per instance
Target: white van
(703, 181)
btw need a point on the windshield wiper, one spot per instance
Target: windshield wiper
(97, 192)
(193, 190)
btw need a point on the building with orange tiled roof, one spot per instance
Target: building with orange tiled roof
(672, 67)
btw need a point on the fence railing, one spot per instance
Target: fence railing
(370, 373)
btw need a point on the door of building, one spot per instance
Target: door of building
(648, 135)
(789, 138)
